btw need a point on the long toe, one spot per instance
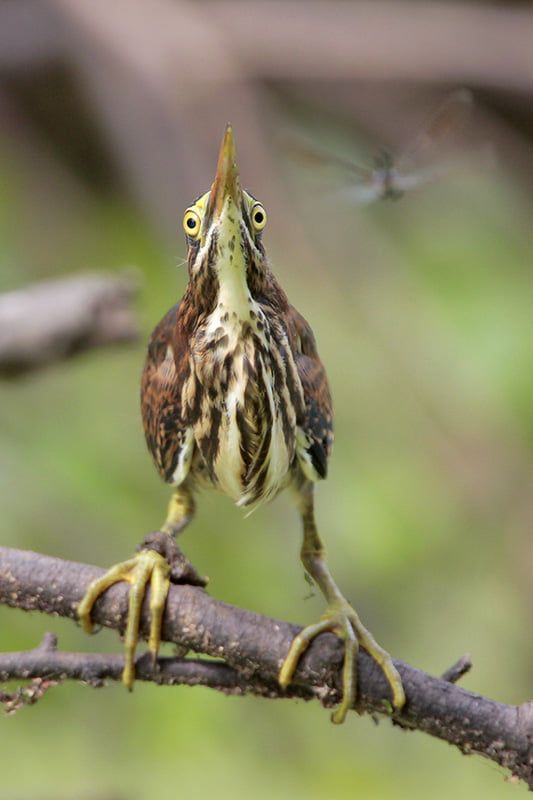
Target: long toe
(146, 568)
(344, 621)
(381, 657)
(338, 622)
(117, 573)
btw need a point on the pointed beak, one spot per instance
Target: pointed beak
(226, 185)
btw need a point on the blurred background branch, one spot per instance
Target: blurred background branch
(55, 320)
(255, 646)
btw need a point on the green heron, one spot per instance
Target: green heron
(235, 397)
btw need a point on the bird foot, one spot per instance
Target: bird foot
(181, 569)
(148, 567)
(342, 619)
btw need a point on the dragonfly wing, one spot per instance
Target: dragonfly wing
(440, 133)
(406, 182)
(313, 156)
(362, 193)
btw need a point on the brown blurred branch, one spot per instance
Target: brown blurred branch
(253, 648)
(433, 42)
(456, 42)
(52, 321)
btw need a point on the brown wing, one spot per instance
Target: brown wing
(166, 368)
(318, 417)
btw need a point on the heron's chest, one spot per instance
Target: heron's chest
(246, 424)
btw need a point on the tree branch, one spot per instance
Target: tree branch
(48, 663)
(254, 647)
(54, 320)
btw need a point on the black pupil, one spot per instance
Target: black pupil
(258, 216)
(191, 222)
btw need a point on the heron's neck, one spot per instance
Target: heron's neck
(233, 295)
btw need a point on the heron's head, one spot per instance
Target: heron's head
(224, 229)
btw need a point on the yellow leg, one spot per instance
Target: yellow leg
(180, 511)
(340, 618)
(147, 568)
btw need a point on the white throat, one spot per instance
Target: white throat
(234, 302)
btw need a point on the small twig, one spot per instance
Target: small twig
(29, 695)
(457, 670)
(55, 320)
(48, 643)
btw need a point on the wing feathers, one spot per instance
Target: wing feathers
(317, 425)
(165, 371)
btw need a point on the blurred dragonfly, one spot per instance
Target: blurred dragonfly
(427, 158)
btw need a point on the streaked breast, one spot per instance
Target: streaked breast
(246, 428)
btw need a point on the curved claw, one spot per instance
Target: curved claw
(345, 622)
(146, 568)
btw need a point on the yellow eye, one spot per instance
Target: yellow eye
(259, 217)
(191, 223)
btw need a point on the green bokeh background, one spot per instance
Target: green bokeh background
(422, 312)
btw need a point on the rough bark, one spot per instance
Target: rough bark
(252, 648)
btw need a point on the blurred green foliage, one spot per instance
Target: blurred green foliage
(422, 311)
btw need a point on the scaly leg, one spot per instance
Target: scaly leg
(339, 617)
(158, 561)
